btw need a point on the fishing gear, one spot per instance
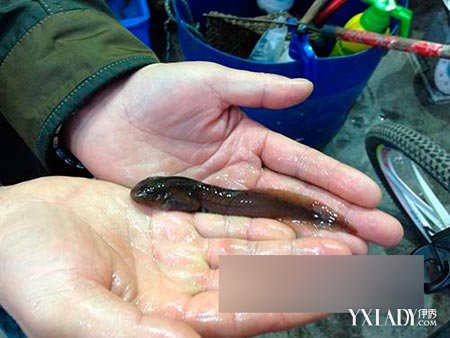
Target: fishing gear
(425, 48)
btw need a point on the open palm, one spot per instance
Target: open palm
(182, 119)
(79, 259)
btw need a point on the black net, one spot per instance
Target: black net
(236, 37)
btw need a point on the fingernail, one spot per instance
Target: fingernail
(303, 81)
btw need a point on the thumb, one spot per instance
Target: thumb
(93, 311)
(249, 89)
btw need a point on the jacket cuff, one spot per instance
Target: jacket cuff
(56, 66)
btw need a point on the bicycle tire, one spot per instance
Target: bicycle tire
(425, 152)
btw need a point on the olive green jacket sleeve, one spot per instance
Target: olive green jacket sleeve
(54, 54)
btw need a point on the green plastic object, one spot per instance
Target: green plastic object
(377, 17)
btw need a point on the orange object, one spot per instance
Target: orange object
(332, 7)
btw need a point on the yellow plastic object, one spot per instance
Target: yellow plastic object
(342, 48)
(376, 18)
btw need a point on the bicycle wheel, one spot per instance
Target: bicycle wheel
(387, 140)
(415, 171)
(419, 148)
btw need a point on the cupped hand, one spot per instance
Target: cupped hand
(182, 119)
(78, 258)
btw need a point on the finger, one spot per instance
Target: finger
(370, 224)
(259, 229)
(219, 226)
(93, 311)
(357, 245)
(250, 89)
(376, 226)
(213, 248)
(288, 157)
(202, 313)
(209, 280)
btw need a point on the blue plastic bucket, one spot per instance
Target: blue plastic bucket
(134, 15)
(338, 81)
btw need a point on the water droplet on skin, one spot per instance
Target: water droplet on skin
(116, 280)
(34, 307)
(222, 177)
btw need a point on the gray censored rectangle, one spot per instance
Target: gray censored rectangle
(320, 283)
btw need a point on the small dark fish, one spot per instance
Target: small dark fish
(185, 194)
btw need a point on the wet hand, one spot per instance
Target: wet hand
(182, 119)
(78, 258)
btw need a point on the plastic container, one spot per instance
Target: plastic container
(270, 46)
(272, 6)
(374, 19)
(134, 15)
(338, 81)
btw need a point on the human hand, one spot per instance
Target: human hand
(182, 119)
(79, 259)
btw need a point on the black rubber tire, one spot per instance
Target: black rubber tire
(426, 153)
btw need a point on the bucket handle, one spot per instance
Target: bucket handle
(301, 51)
(170, 7)
(191, 25)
